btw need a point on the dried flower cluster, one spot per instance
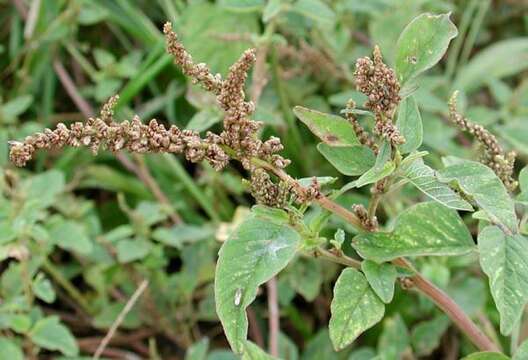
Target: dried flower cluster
(493, 154)
(362, 135)
(370, 224)
(380, 84)
(239, 137)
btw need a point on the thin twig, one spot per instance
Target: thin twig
(254, 329)
(129, 305)
(274, 317)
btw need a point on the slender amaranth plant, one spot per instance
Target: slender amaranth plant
(272, 186)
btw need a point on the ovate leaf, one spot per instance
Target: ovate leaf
(355, 308)
(422, 44)
(481, 183)
(383, 167)
(410, 125)
(252, 255)
(424, 229)
(394, 339)
(381, 278)
(331, 129)
(71, 235)
(50, 334)
(423, 177)
(198, 350)
(348, 160)
(504, 258)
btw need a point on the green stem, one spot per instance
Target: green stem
(66, 285)
(474, 31)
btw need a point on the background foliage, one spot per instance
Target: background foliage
(79, 234)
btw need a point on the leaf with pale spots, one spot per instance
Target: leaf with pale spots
(381, 278)
(423, 177)
(410, 125)
(481, 183)
(355, 308)
(331, 129)
(426, 229)
(252, 255)
(422, 44)
(504, 258)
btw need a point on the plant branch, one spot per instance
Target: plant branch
(274, 317)
(451, 308)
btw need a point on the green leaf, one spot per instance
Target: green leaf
(489, 64)
(198, 350)
(131, 250)
(203, 120)
(423, 177)
(522, 352)
(331, 129)
(422, 44)
(480, 182)
(516, 133)
(426, 335)
(43, 289)
(252, 255)
(316, 10)
(355, 308)
(50, 334)
(43, 188)
(486, 355)
(426, 229)
(9, 350)
(383, 167)
(348, 160)
(306, 278)
(363, 353)
(394, 339)
(319, 347)
(272, 9)
(253, 352)
(504, 258)
(381, 278)
(410, 125)
(15, 107)
(71, 235)
(242, 5)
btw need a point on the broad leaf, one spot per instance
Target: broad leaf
(198, 351)
(383, 167)
(426, 335)
(504, 258)
(523, 186)
(242, 5)
(331, 129)
(254, 352)
(424, 229)
(50, 334)
(71, 235)
(9, 350)
(423, 177)
(348, 160)
(422, 44)
(381, 278)
(355, 308)
(481, 183)
(252, 255)
(410, 125)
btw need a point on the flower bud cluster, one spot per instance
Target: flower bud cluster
(379, 83)
(493, 155)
